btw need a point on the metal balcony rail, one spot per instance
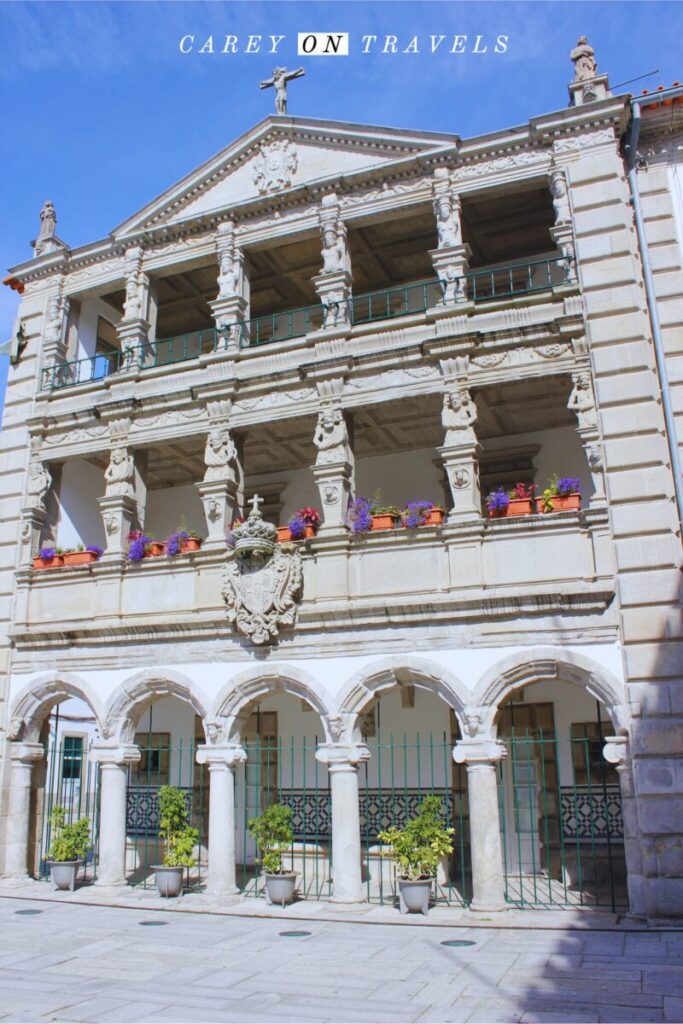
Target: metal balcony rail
(481, 286)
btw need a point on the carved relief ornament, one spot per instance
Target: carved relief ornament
(275, 165)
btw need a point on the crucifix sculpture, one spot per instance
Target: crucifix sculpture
(280, 78)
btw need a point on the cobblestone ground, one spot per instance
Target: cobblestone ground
(96, 963)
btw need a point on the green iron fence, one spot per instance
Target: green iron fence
(562, 844)
(72, 782)
(164, 764)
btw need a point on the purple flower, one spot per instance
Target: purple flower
(96, 550)
(415, 513)
(497, 501)
(358, 516)
(136, 551)
(568, 485)
(297, 527)
(47, 554)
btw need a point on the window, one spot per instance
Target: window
(153, 768)
(72, 757)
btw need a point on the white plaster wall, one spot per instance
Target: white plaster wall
(166, 507)
(401, 477)
(560, 453)
(80, 521)
(91, 311)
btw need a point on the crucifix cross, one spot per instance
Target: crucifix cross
(279, 79)
(255, 502)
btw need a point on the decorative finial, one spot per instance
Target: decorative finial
(279, 80)
(255, 510)
(583, 56)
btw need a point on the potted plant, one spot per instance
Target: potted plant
(273, 834)
(180, 840)
(69, 845)
(193, 541)
(304, 523)
(383, 516)
(421, 513)
(563, 494)
(416, 851)
(140, 546)
(359, 515)
(521, 500)
(83, 555)
(497, 503)
(48, 558)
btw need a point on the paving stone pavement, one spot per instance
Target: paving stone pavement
(76, 962)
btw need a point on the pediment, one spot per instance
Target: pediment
(279, 155)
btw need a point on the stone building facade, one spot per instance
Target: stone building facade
(321, 311)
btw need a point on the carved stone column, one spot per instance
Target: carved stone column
(119, 506)
(481, 758)
(221, 761)
(616, 752)
(30, 533)
(34, 514)
(133, 329)
(460, 453)
(582, 404)
(54, 335)
(333, 470)
(333, 283)
(342, 760)
(221, 488)
(22, 757)
(113, 762)
(451, 259)
(229, 308)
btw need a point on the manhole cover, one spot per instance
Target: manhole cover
(152, 924)
(458, 942)
(28, 913)
(294, 935)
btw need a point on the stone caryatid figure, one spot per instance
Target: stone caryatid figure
(458, 416)
(560, 194)
(446, 210)
(120, 474)
(228, 261)
(582, 402)
(39, 481)
(331, 438)
(48, 223)
(583, 56)
(132, 309)
(333, 236)
(280, 78)
(220, 455)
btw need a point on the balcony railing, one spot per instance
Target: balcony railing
(482, 285)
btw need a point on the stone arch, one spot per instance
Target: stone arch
(137, 693)
(234, 702)
(392, 671)
(32, 704)
(538, 664)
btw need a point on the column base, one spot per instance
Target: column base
(353, 906)
(112, 887)
(489, 908)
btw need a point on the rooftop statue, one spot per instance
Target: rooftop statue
(280, 78)
(583, 56)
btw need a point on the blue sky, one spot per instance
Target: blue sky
(101, 111)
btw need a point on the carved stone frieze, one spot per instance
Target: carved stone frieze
(510, 161)
(584, 140)
(397, 188)
(275, 398)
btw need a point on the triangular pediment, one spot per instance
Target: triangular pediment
(280, 154)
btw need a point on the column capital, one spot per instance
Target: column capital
(26, 753)
(342, 755)
(479, 752)
(121, 755)
(227, 755)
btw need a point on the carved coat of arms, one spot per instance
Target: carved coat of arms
(262, 582)
(275, 165)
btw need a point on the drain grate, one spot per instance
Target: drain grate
(28, 913)
(152, 924)
(458, 942)
(294, 935)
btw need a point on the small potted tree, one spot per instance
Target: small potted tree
(273, 834)
(68, 847)
(416, 851)
(180, 839)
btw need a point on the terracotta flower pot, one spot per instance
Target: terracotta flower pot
(309, 531)
(51, 563)
(155, 548)
(79, 557)
(520, 507)
(561, 503)
(435, 517)
(383, 522)
(283, 534)
(191, 544)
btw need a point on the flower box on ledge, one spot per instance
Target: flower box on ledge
(78, 557)
(560, 503)
(48, 563)
(515, 507)
(284, 534)
(154, 548)
(191, 544)
(383, 521)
